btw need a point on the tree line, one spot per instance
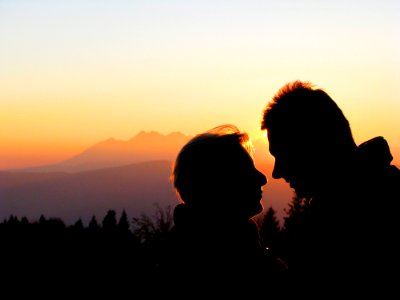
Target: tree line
(115, 249)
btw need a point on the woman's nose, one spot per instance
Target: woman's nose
(263, 178)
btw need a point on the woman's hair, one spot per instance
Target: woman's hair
(200, 163)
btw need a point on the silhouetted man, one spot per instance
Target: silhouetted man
(348, 233)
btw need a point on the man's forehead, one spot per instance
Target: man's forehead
(277, 143)
(288, 142)
(283, 137)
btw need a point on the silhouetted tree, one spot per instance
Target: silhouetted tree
(295, 224)
(295, 213)
(152, 233)
(13, 220)
(78, 225)
(123, 223)
(110, 221)
(148, 228)
(76, 235)
(42, 220)
(93, 225)
(270, 231)
(24, 221)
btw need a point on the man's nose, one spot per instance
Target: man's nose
(277, 171)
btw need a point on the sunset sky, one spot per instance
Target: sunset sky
(73, 73)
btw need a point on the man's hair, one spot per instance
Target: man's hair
(200, 162)
(309, 112)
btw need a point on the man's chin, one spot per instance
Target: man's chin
(302, 193)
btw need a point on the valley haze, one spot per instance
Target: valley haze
(131, 175)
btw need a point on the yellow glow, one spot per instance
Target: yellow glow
(66, 85)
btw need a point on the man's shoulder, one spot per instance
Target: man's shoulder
(375, 152)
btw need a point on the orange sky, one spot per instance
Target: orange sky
(76, 73)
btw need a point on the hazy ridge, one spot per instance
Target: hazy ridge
(132, 175)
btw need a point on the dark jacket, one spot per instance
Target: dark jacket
(211, 254)
(348, 237)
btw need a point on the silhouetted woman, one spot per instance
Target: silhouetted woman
(215, 241)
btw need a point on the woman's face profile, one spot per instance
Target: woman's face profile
(241, 182)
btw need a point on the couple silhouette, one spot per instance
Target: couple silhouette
(346, 238)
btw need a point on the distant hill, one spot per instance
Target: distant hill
(113, 174)
(145, 146)
(69, 196)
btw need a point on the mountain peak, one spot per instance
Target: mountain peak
(146, 134)
(145, 146)
(151, 136)
(176, 134)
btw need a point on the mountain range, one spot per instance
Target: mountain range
(145, 146)
(131, 175)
